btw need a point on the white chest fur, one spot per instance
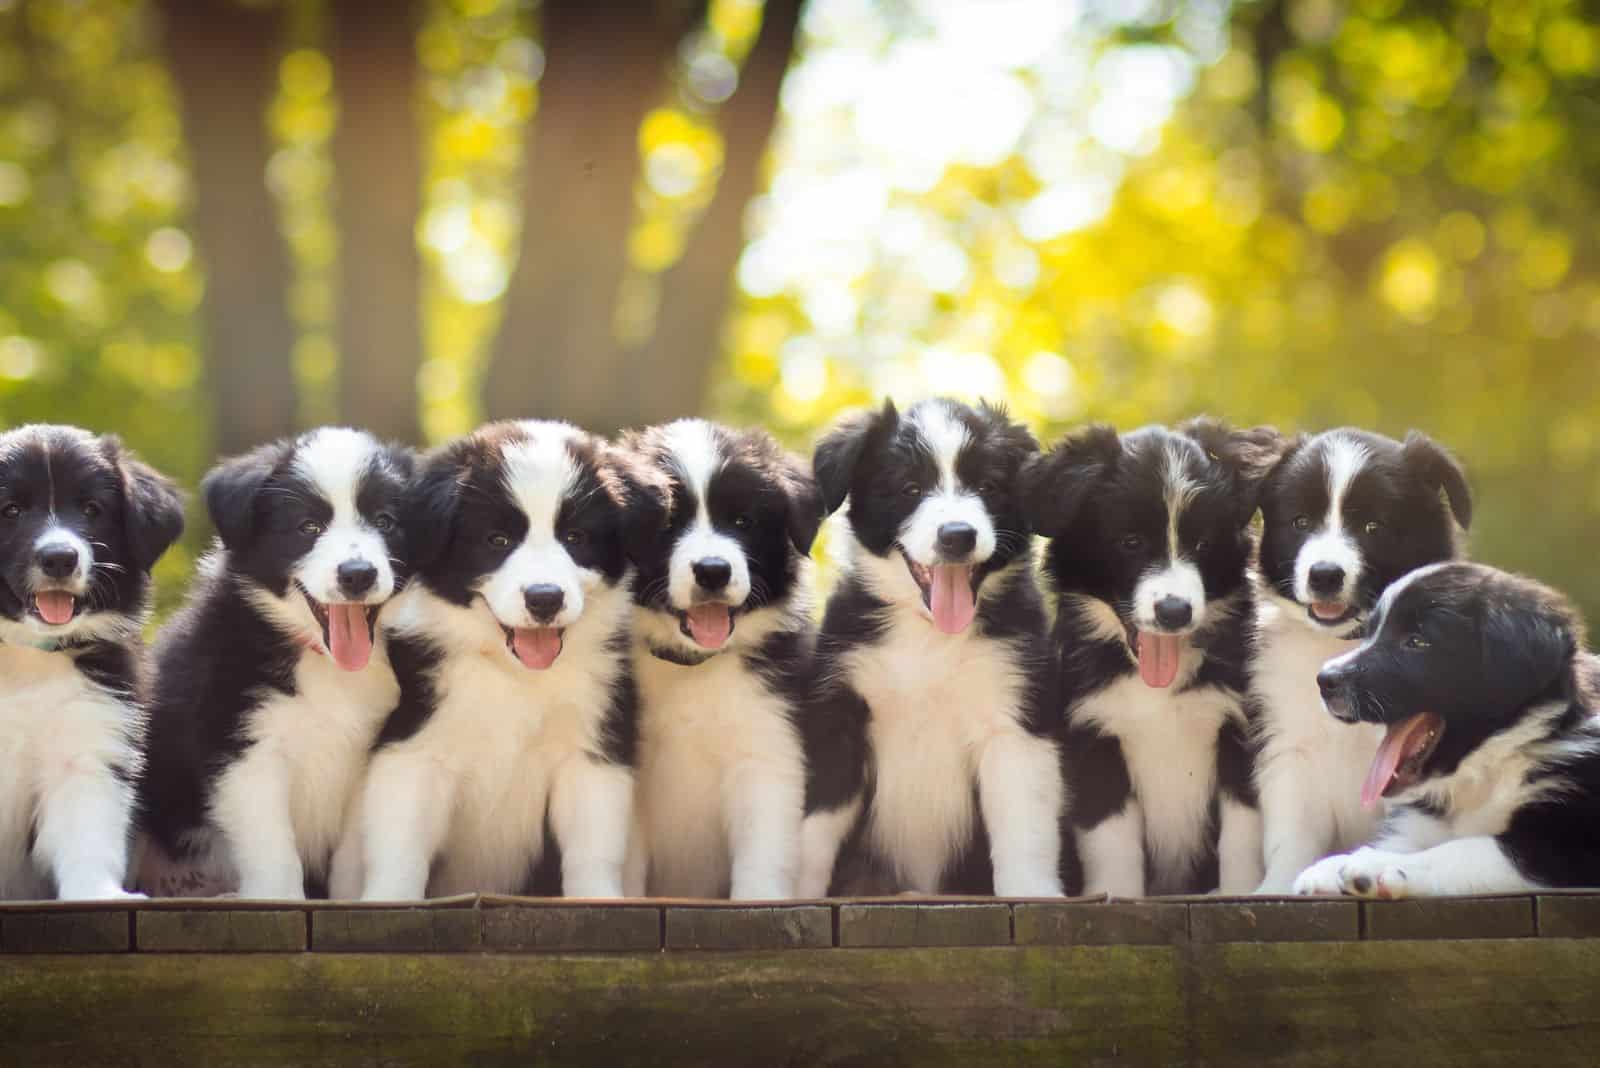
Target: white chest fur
(937, 701)
(721, 783)
(306, 750)
(54, 726)
(1169, 743)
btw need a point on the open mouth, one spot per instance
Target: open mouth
(1159, 655)
(55, 607)
(1401, 756)
(949, 591)
(536, 647)
(1331, 613)
(708, 625)
(347, 630)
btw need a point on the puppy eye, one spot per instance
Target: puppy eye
(1417, 641)
(11, 511)
(91, 510)
(988, 488)
(1201, 546)
(911, 489)
(499, 541)
(1373, 526)
(741, 522)
(384, 522)
(1132, 543)
(311, 528)
(575, 538)
(1302, 522)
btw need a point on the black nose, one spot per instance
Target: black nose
(544, 601)
(712, 573)
(1327, 579)
(356, 577)
(58, 561)
(1327, 682)
(957, 539)
(1174, 613)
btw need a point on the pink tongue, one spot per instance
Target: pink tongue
(1391, 751)
(952, 601)
(710, 625)
(348, 638)
(1158, 658)
(55, 607)
(536, 647)
(1327, 610)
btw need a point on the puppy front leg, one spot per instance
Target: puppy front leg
(83, 832)
(1239, 848)
(1477, 865)
(251, 808)
(764, 806)
(821, 835)
(1113, 853)
(405, 816)
(591, 810)
(1020, 793)
(1296, 829)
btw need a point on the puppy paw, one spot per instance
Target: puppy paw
(1326, 876)
(1367, 873)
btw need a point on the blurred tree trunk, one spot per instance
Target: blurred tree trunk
(223, 61)
(378, 170)
(672, 373)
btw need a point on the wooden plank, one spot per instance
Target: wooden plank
(1120, 923)
(806, 926)
(85, 931)
(924, 925)
(582, 928)
(1465, 917)
(1275, 921)
(388, 930)
(217, 931)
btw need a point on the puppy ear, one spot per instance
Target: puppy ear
(1015, 438)
(1440, 471)
(230, 489)
(429, 512)
(1532, 653)
(645, 493)
(152, 507)
(805, 505)
(1248, 455)
(1055, 485)
(834, 461)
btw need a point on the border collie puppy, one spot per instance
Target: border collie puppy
(81, 524)
(722, 636)
(1148, 558)
(508, 764)
(936, 712)
(1491, 747)
(273, 680)
(1345, 514)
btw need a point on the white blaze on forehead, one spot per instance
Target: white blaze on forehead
(335, 461)
(540, 472)
(1344, 458)
(1180, 490)
(693, 445)
(697, 456)
(944, 436)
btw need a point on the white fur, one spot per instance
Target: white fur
(946, 718)
(1112, 854)
(1460, 866)
(281, 805)
(693, 444)
(1180, 579)
(721, 780)
(59, 738)
(1169, 742)
(950, 501)
(1331, 544)
(1310, 766)
(466, 797)
(1239, 867)
(821, 834)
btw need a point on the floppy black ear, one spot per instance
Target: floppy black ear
(1440, 471)
(1015, 438)
(834, 461)
(1055, 485)
(805, 505)
(1531, 653)
(152, 507)
(429, 512)
(646, 498)
(1248, 455)
(230, 489)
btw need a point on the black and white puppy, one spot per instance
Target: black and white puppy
(936, 714)
(81, 524)
(272, 681)
(723, 635)
(508, 765)
(1346, 513)
(1490, 755)
(1150, 546)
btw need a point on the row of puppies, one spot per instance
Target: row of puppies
(600, 679)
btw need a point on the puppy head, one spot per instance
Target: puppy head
(524, 519)
(1348, 512)
(1154, 524)
(934, 501)
(1455, 654)
(81, 524)
(314, 523)
(721, 533)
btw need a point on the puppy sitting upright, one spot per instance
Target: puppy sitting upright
(508, 764)
(935, 714)
(1345, 514)
(1150, 545)
(273, 680)
(722, 636)
(81, 524)
(1491, 748)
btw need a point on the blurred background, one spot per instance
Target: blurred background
(222, 221)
